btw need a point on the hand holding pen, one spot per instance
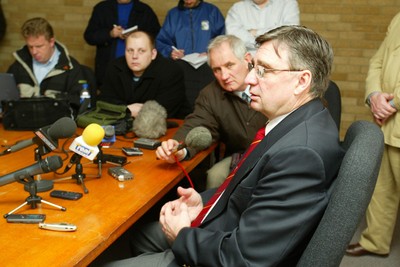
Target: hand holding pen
(116, 31)
(177, 53)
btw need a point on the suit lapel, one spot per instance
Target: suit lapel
(295, 118)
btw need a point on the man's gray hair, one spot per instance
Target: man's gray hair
(237, 45)
(307, 51)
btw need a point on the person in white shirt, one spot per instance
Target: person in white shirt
(248, 19)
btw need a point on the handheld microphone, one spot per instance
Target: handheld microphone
(198, 138)
(109, 136)
(86, 144)
(63, 128)
(49, 164)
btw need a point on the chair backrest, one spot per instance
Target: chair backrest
(351, 194)
(334, 102)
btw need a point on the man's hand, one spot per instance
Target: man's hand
(168, 151)
(179, 213)
(381, 108)
(135, 109)
(177, 54)
(116, 32)
(192, 199)
(173, 218)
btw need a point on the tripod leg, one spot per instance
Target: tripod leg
(54, 205)
(14, 210)
(80, 181)
(63, 179)
(100, 167)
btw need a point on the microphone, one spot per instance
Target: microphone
(198, 138)
(109, 136)
(151, 122)
(49, 164)
(63, 128)
(86, 144)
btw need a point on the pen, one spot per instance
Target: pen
(176, 49)
(114, 25)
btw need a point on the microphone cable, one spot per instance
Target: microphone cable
(184, 171)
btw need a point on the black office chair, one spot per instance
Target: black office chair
(350, 197)
(195, 80)
(334, 102)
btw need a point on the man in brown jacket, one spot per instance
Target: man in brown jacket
(220, 108)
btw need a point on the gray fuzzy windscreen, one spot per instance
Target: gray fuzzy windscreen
(151, 121)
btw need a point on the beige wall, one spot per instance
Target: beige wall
(354, 28)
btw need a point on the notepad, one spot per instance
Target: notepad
(195, 59)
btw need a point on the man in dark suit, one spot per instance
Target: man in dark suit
(276, 196)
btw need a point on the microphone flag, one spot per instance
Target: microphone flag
(86, 144)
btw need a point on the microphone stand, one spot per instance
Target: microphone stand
(41, 185)
(99, 160)
(33, 198)
(79, 176)
(107, 158)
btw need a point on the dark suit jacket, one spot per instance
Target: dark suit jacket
(162, 81)
(273, 204)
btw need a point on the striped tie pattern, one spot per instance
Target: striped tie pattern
(199, 219)
(246, 97)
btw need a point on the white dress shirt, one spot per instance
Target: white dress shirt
(245, 15)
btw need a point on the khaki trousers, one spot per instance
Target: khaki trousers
(217, 174)
(382, 211)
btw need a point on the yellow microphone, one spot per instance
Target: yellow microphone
(86, 144)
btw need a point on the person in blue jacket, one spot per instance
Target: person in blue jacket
(189, 27)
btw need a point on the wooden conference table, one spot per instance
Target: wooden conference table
(101, 216)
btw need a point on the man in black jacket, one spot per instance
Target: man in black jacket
(104, 30)
(143, 75)
(43, 67)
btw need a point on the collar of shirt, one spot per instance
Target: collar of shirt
(272, 123)
(259, 7)
(239, 93)
(42, 69)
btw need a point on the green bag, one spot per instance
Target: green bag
(108, 114)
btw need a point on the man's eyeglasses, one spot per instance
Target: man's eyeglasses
(261, 71)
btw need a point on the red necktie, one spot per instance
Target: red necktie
(259, 136)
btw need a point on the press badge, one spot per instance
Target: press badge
(205, 25)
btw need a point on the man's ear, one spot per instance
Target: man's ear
(249, 60)
(153, 53)
(52, 40)
(304, 82)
